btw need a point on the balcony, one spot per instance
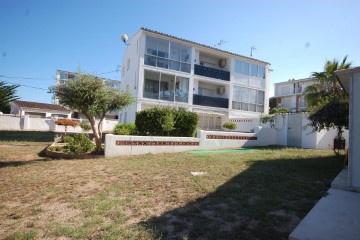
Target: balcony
(210, 101)
(212, 73)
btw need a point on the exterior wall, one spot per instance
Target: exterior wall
(281, 127)
(8, 122)
(309, 139)
(133, 77)
(354, 163)
(120, 145)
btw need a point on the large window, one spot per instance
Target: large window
(249, 74)
(166, 54)
(165, 87)
(248, 99)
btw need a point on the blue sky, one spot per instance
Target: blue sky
(37, 37)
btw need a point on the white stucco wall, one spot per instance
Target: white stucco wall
(10, 123)
(281, 127)
(265, 137)
(355, 129)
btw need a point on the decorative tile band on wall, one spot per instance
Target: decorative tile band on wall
(230, 137)
(155, 143)
(242, 120)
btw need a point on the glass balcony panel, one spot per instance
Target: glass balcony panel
(174, 65)
(210, 101)
(212, 73)
(149, 60)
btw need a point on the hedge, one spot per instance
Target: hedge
(165, 121)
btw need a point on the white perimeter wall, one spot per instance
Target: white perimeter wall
(120, 145)
(45, 124)
(309, 139)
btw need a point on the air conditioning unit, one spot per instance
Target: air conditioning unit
(222, 63)
(220, 90)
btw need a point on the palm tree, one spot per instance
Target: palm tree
(7, 94)
(326, 86)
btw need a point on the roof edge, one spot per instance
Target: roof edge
(201, 45)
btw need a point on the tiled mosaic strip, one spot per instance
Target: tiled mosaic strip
(242, 120)
(155, 143)
(230, 137)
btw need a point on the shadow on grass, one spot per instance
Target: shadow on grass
(266, 201)
(21, 163)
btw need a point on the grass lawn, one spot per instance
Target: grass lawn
(258, 194)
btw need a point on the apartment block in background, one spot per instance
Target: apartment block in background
(163, 70)
(64, 76)
(290, 94)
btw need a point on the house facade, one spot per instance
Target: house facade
(290, 94)
(163, 70)
(39, 110)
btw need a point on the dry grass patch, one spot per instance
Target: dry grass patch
(259, 194)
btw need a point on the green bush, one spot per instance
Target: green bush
(164, 121)
(125, 129)
(79, 143)
(230, 125)
(85, 126)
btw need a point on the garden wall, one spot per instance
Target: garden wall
(121, 145)
(11, 122)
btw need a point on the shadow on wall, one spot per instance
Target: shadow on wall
(266, 201)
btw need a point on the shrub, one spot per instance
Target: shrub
(125, 129)
(230, 125)
(79, 143)
(85, 126)
(164, 121)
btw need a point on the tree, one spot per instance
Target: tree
(91, 97)
(327, 101)
(272, 102)
(7, 94)
(326, 86)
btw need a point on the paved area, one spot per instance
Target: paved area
(335, 216)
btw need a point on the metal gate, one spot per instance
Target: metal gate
(294, 130)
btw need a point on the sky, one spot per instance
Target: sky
(37, 37)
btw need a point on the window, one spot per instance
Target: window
(165, 87)
(249, 74)
(242, 67)
(247, 99)
(254, 70)
(166, 54)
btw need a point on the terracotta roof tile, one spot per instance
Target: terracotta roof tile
(202, 45)
(37, 105)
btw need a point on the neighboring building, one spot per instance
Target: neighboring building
(64, 76)
(219, 86)
(290, 94)
(41, 110)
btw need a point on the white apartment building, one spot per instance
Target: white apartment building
(220, 86)
(290, 94)
(64, 76)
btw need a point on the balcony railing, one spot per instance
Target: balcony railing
(210, 101)
(212, 72)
